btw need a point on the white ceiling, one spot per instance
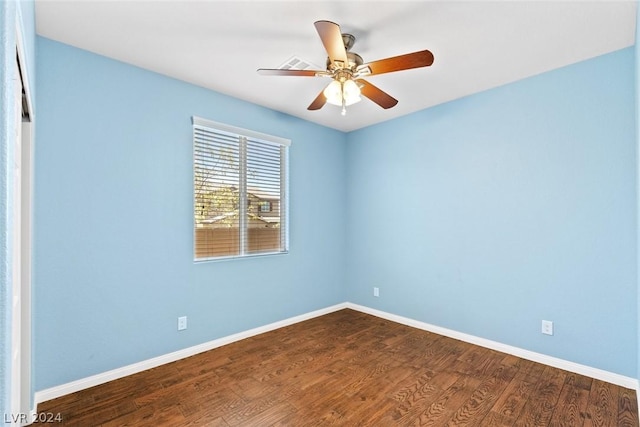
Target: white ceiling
(219, 44)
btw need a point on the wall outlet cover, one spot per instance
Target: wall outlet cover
(182, 323)
(547, 327)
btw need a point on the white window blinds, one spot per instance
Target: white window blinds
(240, 191)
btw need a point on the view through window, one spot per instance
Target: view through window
(240, 191)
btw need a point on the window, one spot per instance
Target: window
(264, 206)
(240, 191)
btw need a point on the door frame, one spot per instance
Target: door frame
(21, 396)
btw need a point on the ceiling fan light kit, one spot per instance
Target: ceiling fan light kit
(347, 69)
(342, 94)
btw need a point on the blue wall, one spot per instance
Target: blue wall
(114, 261)
(22, 13)
(487, 214)
(484, 215)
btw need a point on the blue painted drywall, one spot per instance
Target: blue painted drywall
(483, 215)
(14, 17)
(113, 230)
(487, 214)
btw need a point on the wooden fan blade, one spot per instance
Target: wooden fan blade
(319, 102)
(331, 37)
(279, 72)
(423, 58)
(378, 96)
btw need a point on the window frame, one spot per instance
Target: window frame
(245, 135)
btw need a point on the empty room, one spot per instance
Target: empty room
(300, 213)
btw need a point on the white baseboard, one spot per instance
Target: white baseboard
(566, 365)
(84, 383)
(94, 380)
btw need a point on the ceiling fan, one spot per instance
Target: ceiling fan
(347, 69)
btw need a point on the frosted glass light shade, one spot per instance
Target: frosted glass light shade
(333, 93)
(336, 91)
(350, 92)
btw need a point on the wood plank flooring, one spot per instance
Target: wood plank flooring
(350, 369)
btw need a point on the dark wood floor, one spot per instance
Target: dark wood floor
(350, 369)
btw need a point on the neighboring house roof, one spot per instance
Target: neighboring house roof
(261, 194)
(269, 219)
(219, 218)
(231, 215)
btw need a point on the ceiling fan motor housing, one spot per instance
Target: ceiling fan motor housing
(354, 61)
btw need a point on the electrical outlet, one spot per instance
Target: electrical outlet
(376, 292)
(182, 323)
(547, 327)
